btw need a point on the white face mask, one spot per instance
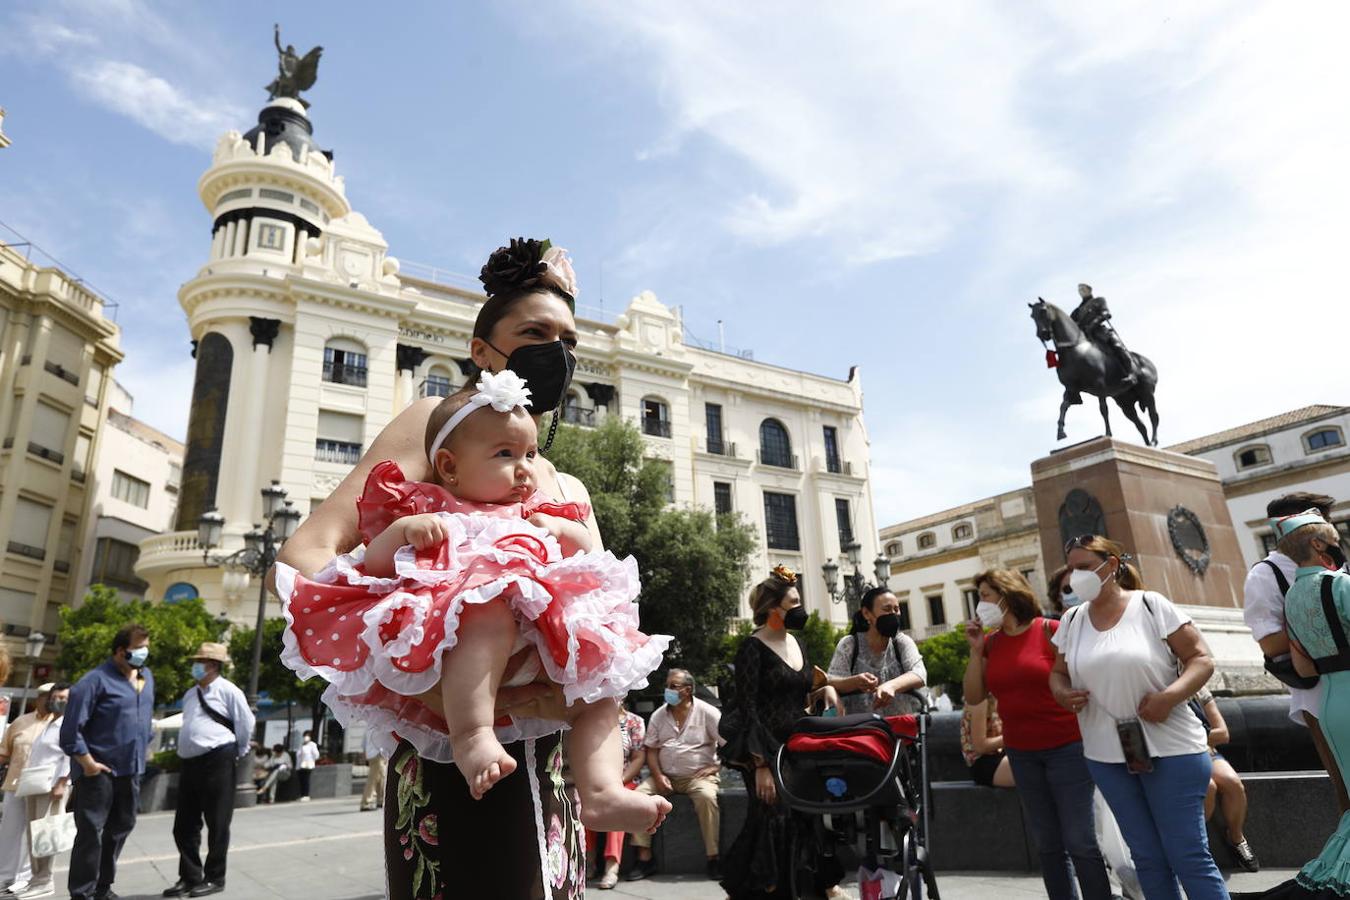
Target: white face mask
(989, 614)
(1085, 585)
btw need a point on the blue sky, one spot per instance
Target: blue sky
(884, 184)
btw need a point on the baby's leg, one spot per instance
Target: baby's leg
(471, 673)
(596, 756)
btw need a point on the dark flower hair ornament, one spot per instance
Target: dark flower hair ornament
(525, 265)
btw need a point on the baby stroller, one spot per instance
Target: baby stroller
(863, 780)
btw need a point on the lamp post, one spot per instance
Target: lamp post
(280, 519)
(32, 649)
(855, 584)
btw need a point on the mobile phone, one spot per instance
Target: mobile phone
(1131, 732)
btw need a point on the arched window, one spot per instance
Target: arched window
(1323, 439)
(655, 417)
(927, 540)
(344, 362)
(1251, 457)
(574, 411)
(962, 532)
(775, 447)
(437, 383)
(893, 548)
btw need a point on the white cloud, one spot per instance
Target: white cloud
(163, 108)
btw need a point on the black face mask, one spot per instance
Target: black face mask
(547, 370)
(888, 625)
(1337, 555)
(795, 619)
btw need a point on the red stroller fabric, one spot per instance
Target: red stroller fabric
(872, 743)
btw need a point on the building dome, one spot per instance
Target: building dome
(283, 121)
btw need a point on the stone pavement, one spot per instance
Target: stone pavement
(327, 850)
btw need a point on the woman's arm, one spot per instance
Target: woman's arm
(1197, 665)
(972, 682)
(913, 673)
(332, 528)
(1218, 726)
(1303, 663)
(1062, 688)
(840, 677)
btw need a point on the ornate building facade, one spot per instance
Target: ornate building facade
(309, 339)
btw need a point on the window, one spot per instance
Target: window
(962, 532)
(94, 387)
(832, 462)
(969, 597)
(655, 418)
(437, 383)
(843, 520)
(905, 623)
(722, 498)
(271, 237)
(780, 521)
(1268, 542)
(1322, 439)
(574, 413)
(175, 477)
(775, 448)
(712, 413)
(49, 431)
(32, 520)
(927, 540)
(130, 489)
(1253, 456)
(115, 564)
(1029, 574)
(65, 546)
(937, 614)
(344, 362)
(340, 437)
(80, 464)
(893, 548)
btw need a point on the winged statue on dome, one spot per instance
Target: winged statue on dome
(295, 73)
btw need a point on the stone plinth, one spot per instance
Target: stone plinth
(1135, 492)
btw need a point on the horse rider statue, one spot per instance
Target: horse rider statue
(1094, 318)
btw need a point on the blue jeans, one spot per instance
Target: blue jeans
(1056, 793)
(1162, 817)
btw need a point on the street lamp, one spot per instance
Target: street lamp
(32, 649)
(280, 519)
(856, 584)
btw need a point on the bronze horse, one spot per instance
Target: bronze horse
(1085, 368)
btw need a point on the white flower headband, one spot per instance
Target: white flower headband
(503, 391)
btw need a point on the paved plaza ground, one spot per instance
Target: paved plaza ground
(327, 850)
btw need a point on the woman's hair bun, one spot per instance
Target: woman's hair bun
(529, 265)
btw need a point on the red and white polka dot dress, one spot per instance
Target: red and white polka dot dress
(379, 641)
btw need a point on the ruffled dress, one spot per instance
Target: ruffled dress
(379, 641)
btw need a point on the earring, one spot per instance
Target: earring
(453, 479)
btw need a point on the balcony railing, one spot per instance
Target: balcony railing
(342, 452)
(61, 372)
(78, 475)
(575, 415)
(45, 453)
(61, 565)
(27, 550)
(722, 448)
(432, 387)
(838, 466)
(656, 427)
(342, 373)
(778, 460)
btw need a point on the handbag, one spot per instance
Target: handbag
(34, 780)
(53, 834)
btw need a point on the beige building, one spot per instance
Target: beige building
(4, 141)
(56, 351)
(310, 337)
(137, 472)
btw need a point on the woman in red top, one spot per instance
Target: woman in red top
(1040, 737)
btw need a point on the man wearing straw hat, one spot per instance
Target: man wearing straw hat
(217, 725)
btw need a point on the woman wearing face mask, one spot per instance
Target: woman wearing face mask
(1116, 668)
(32, 745)
(1041, 739)
(773, 689)
(528, 326)
(875, 666)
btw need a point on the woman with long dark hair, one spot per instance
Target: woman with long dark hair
(875, 666)
(438, 839)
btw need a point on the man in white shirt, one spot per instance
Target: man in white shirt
(681, 747)
(373, 797)
(1263, 610)
(305, 760)
(217, 724)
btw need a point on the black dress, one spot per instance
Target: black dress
(770, 697)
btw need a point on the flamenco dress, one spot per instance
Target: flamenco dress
(379, 642)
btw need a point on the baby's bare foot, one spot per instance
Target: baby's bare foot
(482, 760)
(620, 809)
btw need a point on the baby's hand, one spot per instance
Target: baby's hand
(573, 536)
(423, 531)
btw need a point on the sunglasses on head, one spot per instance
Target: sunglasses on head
(1079, 542)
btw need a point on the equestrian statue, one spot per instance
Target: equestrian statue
(1090, 358)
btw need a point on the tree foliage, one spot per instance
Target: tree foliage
(692, 565)
(274, 678)
(945, 656)
(819, 637)
(177, 630)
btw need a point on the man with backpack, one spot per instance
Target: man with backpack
(1263, 610)
(217, 724)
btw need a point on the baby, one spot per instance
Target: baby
(460, 575)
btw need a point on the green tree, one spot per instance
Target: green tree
(177, 630)
(819, 637)
(692, 565)
(945, 656)
(274, 678)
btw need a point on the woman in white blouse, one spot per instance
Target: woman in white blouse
(1127, 662)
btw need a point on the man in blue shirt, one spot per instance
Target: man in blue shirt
(217, 724)
(106, 731)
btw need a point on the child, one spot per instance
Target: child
(458, 576)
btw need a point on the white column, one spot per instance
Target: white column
(405, 388)
(227, 245)
(254, 400)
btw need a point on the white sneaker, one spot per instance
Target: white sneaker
(32, 893)
(304, 799)
(14, 890)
